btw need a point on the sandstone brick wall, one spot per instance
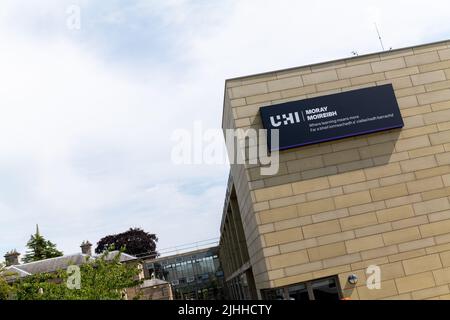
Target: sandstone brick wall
(334, 208)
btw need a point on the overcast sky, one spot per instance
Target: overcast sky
(87, 115)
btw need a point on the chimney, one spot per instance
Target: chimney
(12, 258)
(86, 248)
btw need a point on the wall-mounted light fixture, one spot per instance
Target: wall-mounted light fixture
(352, 279)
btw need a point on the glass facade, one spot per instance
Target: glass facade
(234, 257)
(197, 275)
(321, 289)
(239, 288)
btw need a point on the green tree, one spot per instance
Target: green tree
(40, 248)
(103, 278)
(5, 289)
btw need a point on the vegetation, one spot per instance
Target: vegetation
(100, 278)
(40, 248)
(5, 289)
(104, 278)
(134, 241)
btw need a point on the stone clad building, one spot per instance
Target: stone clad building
(337, 207)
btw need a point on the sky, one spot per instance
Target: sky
(87, 114)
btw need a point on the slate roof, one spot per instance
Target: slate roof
(53, 264)
(153, 282)
(58, 263)
(124, 257)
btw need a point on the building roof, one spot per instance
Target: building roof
(351, 58)
(58, 263)
(153, 282)
(12, 272)
(212, 249)
(53, 264)
(124, 257)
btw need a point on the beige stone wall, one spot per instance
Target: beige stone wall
(337, 207)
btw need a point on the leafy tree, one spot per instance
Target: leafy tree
(104, 278)
(5, 289)
(134, 241)
(40, 248)
(41, 286)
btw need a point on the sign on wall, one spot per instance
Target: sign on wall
(333, 117)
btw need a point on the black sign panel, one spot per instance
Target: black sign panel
(333, 117)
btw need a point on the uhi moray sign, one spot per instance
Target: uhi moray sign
(333, 117)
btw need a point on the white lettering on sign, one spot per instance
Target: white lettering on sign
(316, 110)
(322, 115)
(285, 119)
(294, 117)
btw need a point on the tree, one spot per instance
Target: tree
(5, 289)
(102, 278)
(134, 241)
(40, 248)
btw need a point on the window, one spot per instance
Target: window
(298, 292)
(325, 289)
(321, 289)
(205, 276)
(273, 294)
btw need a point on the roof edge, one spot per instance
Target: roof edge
(322, 63)
(336, 60)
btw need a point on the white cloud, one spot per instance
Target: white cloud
(95, 137)
(264, 35)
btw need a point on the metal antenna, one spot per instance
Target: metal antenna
(379, 36)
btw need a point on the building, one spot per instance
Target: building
(337, 207)
(51, 265)
(147, 290)
(193, 275)
(156, 289)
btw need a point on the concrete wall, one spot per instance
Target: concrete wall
(334, 208)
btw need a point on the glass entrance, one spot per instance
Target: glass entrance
(321, 289)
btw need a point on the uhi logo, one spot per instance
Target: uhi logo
(285, 119)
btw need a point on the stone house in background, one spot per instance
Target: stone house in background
(15, 270)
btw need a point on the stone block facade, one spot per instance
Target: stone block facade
(335, 208)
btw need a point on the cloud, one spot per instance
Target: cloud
(87, 115)
(263, 35)
(83, 142)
